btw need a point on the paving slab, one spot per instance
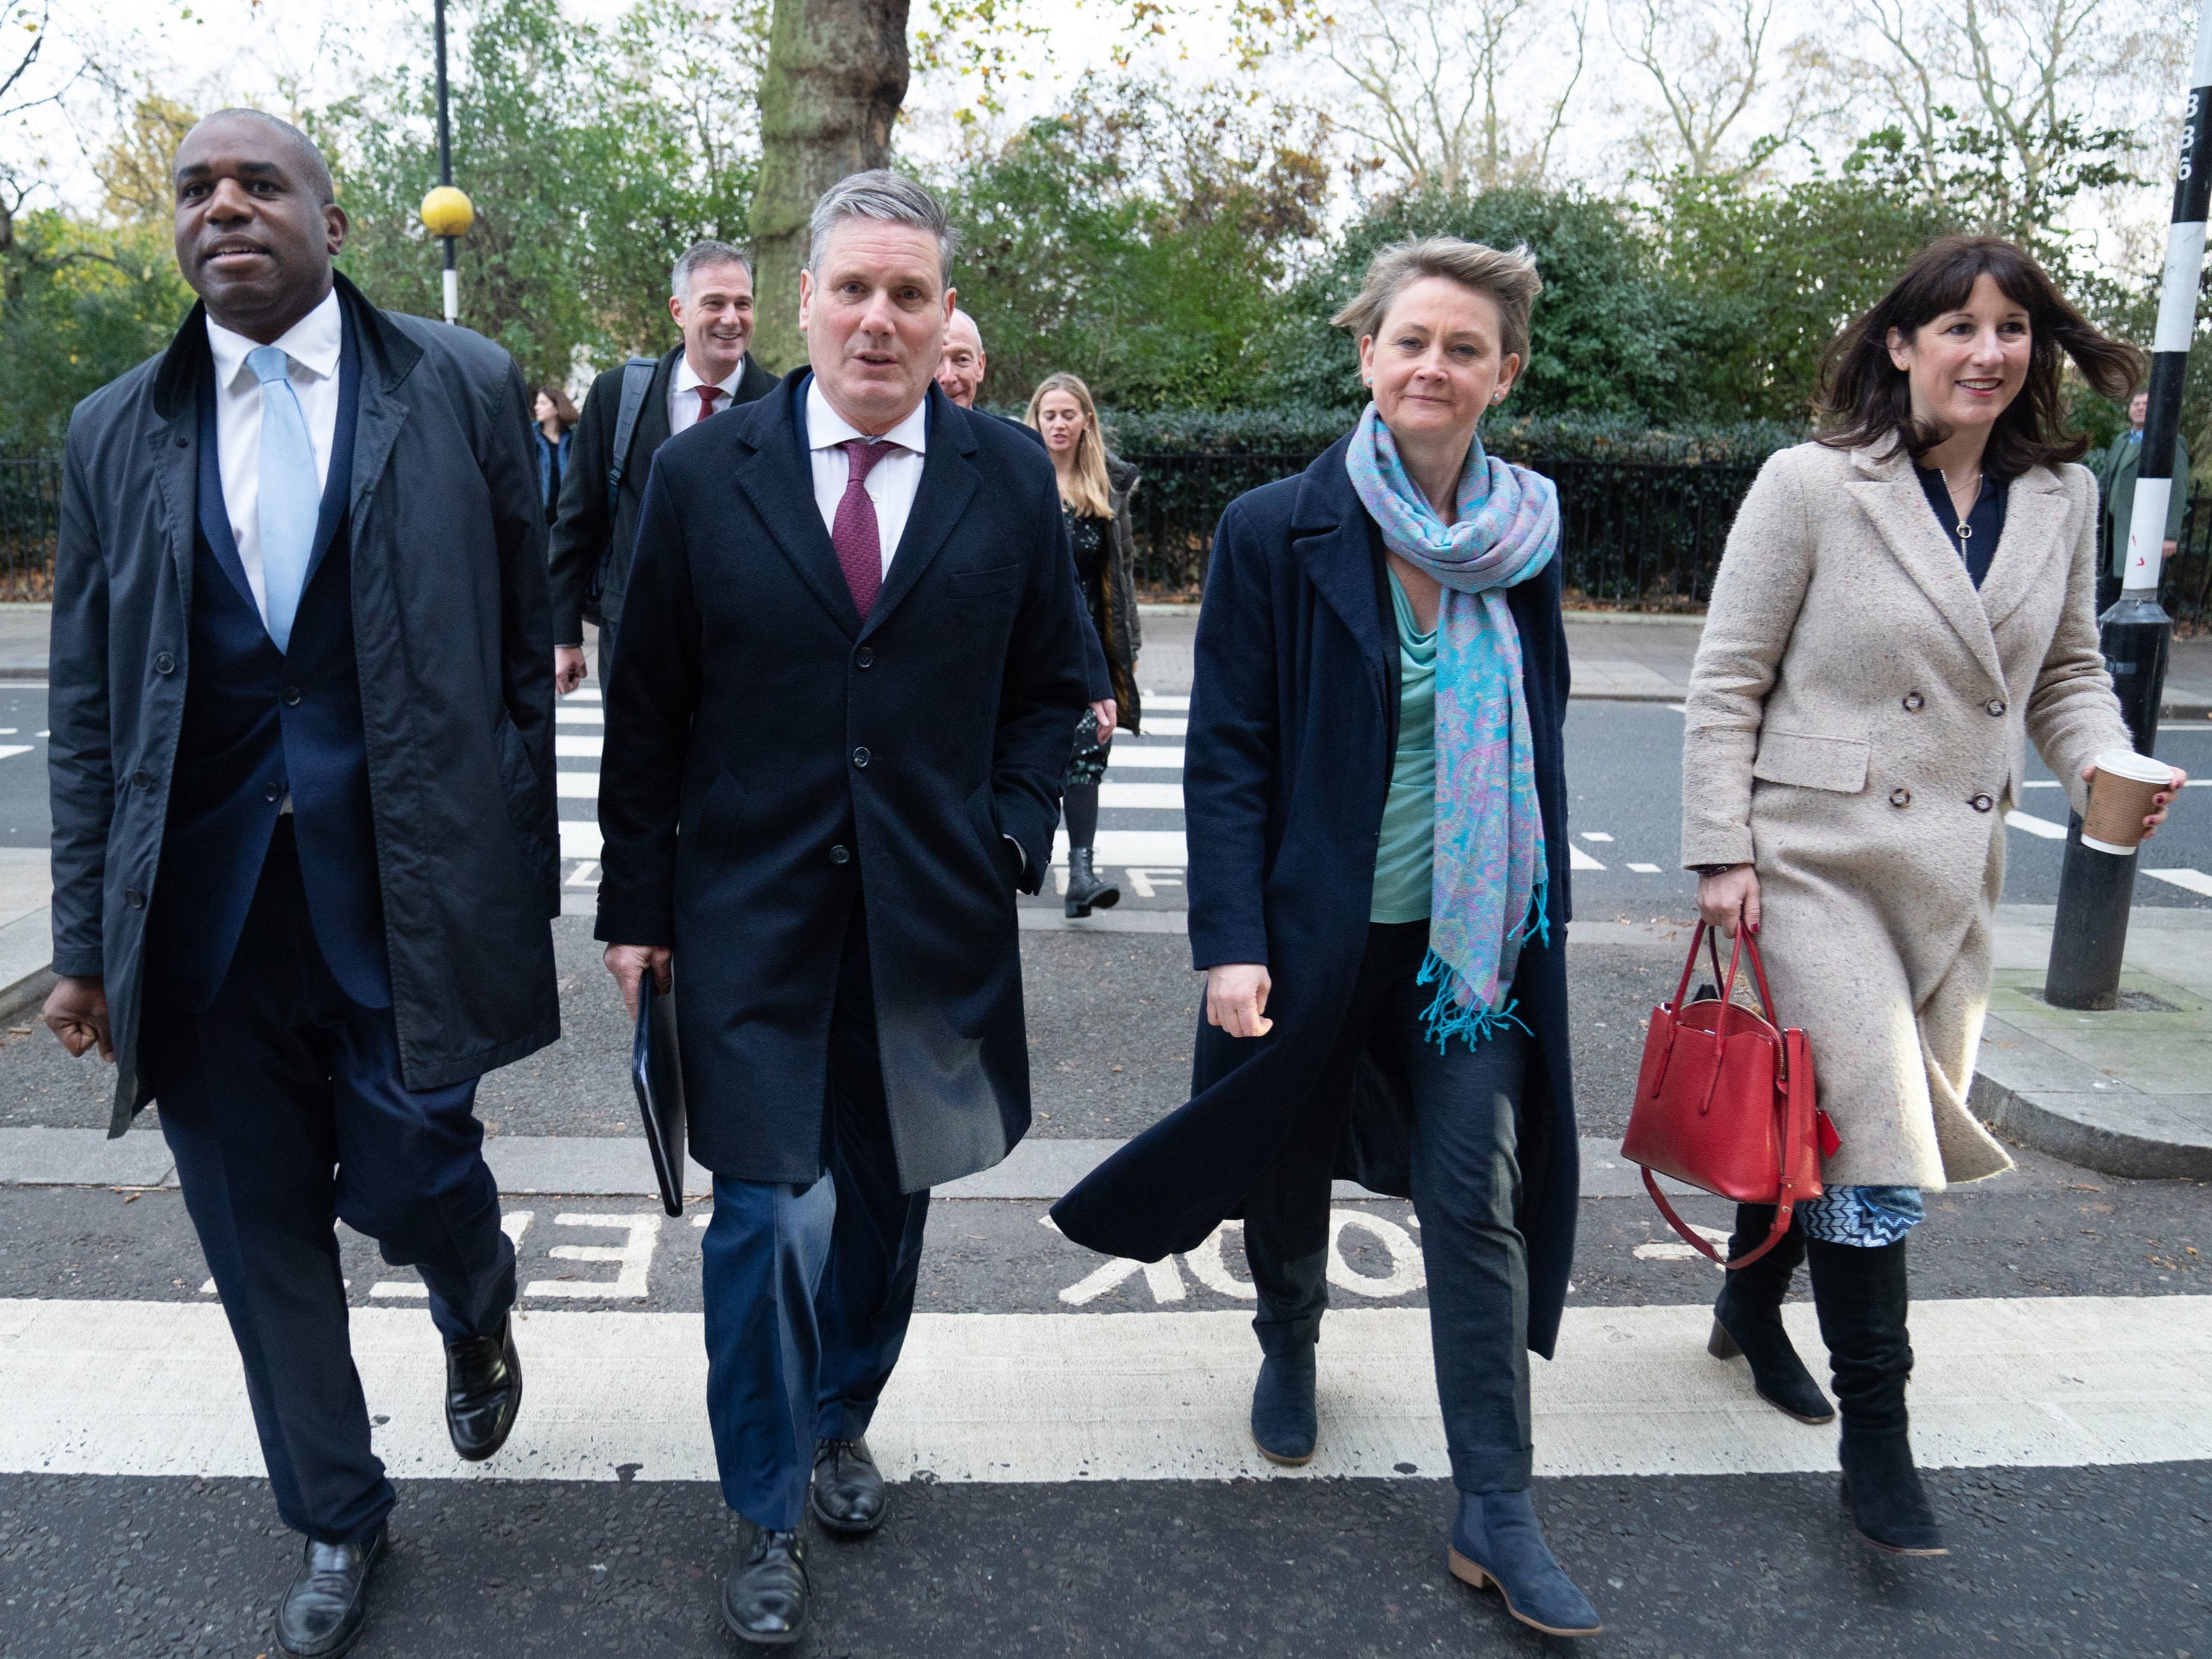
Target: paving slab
(24, 628)
(84, 1158)
(1629, 657)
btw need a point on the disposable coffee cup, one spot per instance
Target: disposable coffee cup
(2120, 791)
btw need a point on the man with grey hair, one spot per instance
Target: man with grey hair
(852, 663)
(629, 412)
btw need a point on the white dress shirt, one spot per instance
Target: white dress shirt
(892, 482)
(312, 345)
(683, 394)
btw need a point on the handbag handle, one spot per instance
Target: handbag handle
(1784, 1209)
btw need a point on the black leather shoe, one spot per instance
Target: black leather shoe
(1284, 1421)
(1087, 890)
(483, 1390)
(764, 1602)
(847, 1494)
(321, 1615)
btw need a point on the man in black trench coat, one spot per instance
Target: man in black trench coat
(848, 676)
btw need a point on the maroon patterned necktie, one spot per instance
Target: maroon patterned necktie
(860, 544)
(707, 395)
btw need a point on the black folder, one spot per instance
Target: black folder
(658, 1071)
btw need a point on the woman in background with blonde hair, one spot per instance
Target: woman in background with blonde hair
(1094, 494)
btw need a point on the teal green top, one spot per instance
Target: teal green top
(1406, 856)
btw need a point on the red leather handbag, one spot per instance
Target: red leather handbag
(1724, 1101)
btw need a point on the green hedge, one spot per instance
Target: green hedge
(1306, 429)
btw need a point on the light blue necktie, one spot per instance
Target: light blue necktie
(291, 495)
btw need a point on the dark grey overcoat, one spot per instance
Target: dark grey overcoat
(455, 651)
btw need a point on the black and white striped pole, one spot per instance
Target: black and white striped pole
(2090, 934)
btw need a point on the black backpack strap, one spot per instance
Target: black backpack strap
(637, 381)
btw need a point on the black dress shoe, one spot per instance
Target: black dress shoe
(321, 1615)
(764, 1602)
(483, 1390)
(847, 1494)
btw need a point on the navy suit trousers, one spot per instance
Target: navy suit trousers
(283, 1106)
(808, 1289)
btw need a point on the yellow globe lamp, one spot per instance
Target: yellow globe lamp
(449, 212)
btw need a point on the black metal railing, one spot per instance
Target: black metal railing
(30, 524)
(1638, 535)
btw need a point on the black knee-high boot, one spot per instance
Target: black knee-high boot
(1747, 1318)
(1860, 1295)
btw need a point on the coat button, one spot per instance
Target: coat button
(1995, 705)
(1914, 702)
(864, 657)
(860, 756)
(142, 780)
(290, 695)
(1981, 803)
(164, 663)
(840, 854)
(134, 898)
(272, 791)
(1900, 796)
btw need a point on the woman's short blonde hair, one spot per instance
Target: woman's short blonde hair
(1090, 492)
(1509, 277)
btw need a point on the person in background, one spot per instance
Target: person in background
(556, 431)
(1094, 496)
(1377, 794)
(303, 549)
(849, 674)
(710, 297)
(1905, 605)
(2115, 469)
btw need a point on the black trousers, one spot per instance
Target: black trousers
(284, 1108)
(1466, 1183)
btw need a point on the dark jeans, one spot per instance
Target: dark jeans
(1466, 1183)
(284, 1108)
(809, 1290)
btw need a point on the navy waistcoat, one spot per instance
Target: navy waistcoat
(258, 724)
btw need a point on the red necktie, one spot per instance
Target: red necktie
(707, 395)
(858, 543)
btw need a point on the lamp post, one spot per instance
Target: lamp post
(2089, 935)
(445, 211)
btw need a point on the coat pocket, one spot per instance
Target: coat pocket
(975, 584)
(1812, 763)
(520, 786)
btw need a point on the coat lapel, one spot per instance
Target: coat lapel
(948, 485)
(2034, 533)
(778, 479)
(1889, 491)
(1328, 530)
(387, 358)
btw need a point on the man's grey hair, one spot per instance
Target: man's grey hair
(889, 198)
(701, 254)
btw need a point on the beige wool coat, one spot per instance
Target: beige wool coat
(1856, 726)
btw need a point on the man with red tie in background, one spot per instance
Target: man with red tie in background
(846, 688)
(629, 412)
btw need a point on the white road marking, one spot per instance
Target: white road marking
(576, 786)
(1147, 883)
(2195, 880)
(154, 1388)
(582, 696)
(593, 716)
(2036, 826)
(1578, 860)
(1646, 869)
(1674, 1250)
(1166, 728)
(1595, 834)
(586, 875)
(633, 1257)
(1131, 755)
(1176, 700)
(578, 747)
(1145, 797)
(1163, 847)
(9, 750)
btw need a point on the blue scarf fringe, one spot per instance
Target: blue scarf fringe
(1447, 1017)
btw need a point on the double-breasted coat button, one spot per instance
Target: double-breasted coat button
(1981, 803)
(1995, 705)
(840, 854)
(272, 791)
(864, 657)
(142, 780)
(1900, 796)
(134, 898)
(1914, 702)
(860, 756)
(290, 695)
(164, 663)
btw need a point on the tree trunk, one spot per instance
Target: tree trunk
(835, 76)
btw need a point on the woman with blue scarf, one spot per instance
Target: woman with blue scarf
(1376, 809)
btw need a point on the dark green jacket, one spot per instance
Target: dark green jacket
(2116, 477)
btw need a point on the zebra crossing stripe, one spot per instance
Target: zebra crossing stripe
(154, 1388)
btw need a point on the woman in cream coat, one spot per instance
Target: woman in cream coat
(1904, 605)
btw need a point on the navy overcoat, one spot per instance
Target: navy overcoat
(1292, 728)
(772, 761)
